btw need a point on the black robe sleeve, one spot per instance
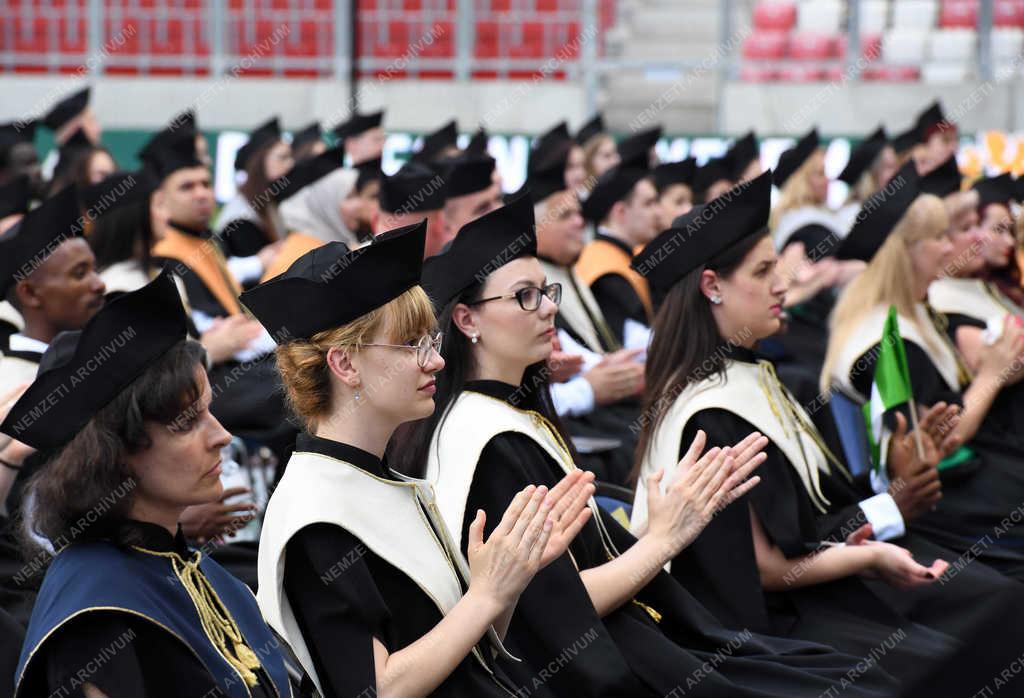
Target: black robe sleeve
(956, 321)
(619, 302)
(242, 238)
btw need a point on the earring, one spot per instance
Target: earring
(716, 299)
(357, 396)
(475, 338)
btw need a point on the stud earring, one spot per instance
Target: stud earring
(357, 396)
(716, 299)
(475, 338)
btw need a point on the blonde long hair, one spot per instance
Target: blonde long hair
(887, 280)
(796, 192)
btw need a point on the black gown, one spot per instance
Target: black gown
(982, 500)
(242, 237)
(616, 297)
(628, 653)
(371, 598)
(720, 568)
(147, 663)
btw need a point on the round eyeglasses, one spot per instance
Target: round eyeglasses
(529, 298)
(424, 346)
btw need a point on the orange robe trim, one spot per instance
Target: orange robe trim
(206, 260)
(601, 257)
(293, 247)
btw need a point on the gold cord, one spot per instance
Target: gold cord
(941, 324)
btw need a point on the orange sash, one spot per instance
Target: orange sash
(601, 257)
(206, 260)
(293, 247)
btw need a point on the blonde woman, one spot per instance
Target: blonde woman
(905, 237)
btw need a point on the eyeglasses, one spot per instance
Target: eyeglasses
(424, 346)
(529, 298)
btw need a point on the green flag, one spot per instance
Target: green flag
(891, 386)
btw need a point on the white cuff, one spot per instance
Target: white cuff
(245, 269)
(884, 516)
(573, 398)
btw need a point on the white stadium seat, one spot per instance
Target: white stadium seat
(914, 14)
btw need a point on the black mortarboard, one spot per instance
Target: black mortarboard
(791, 160)
(635, 151)
(70, 151)
(466, 175)
(174, 154)
(17, 132)
(67, 109)
(264, 134)
(550, 147)
(594, 127)
(1019, 189)
(358, 123)
(305, 135)
(480, 247)
(712, 171)
(181, 129)
(943, 180)
(31, 240)
(741, 153)
(931, 120)
(700, 235)
(416, 188)
(15, 196)
(116, 190)
(478, 143)
(306, 172)
(880, 214)
(612, 186)
(668, 173)
(1001, 189)
(332, 285)
(90, 367)
(902, 142)
(863, 155)
(436, 142)
(540, 185)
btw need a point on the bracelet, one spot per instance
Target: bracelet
(8, 464)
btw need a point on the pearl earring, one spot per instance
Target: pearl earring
(357, 396)
(716, 299)
(475, 338)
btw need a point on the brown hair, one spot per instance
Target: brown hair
(303, 362)
(255, 189)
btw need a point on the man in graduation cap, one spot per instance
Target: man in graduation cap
(362, 136)
(638, 150)
(307, 142)
(48, 274)
(64, 118)
(473, 188)
(674, 184)
(439, 145)
(18, 155)
(624, 206)
(712, 179)
(413, 193)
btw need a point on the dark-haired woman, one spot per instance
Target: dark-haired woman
(495, 429)
(126, 607)
(356, 570)
(759, 564)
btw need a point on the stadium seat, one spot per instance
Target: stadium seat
(914, 14)
(952, 45)
(755, 73)
(820, 15)
(892, 73)
(774, 16)
(1007, 43)
(870, 46)
(1008, 13)
(945, 73)
(904, 46)
(801, 73)
(765, 45)
(961, 14)
(806, 46)
(873, 16)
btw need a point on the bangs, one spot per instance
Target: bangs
(410, 315)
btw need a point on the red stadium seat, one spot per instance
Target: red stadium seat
(811, 46)
(959, 14)
(892, 73)
(770, 15)
(1008, 13)
(870, 46)
(765, 45)
(755, 73)
(801, 73)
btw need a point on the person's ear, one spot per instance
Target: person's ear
(465, 320)
(710, 286)
(27, 295)
(339, 362)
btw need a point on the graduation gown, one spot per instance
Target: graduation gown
(981, 499)
(661, 643)
(720, 566)
(106, 615)
(330, 591)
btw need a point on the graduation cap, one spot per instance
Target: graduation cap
(863, 155)
(668, 173)
(902, 142)
(307, 134)
(71, 150)
(741, 153)
(264, 134)
(611, 187)
(416, 188)
(80, 367)
(15, 196)
(880, 214)
(635, 150)
(35, 237)
(358, 123)
(540, 185)
(14, 132)
(332, 285)
(554, 144)
(67, 109)
(481, 246)
(703, 233)
(931, 121)
(791, 160)
(306, 172)
(1001, 189)
(466, 175)
(594, 127)
(436, 142)
(943, 180)
(118, 189)
(176, 154)
(181, 129)
(477, 143)
(707, 175)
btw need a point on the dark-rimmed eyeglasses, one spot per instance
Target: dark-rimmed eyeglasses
(424, 346)
(529, 298)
